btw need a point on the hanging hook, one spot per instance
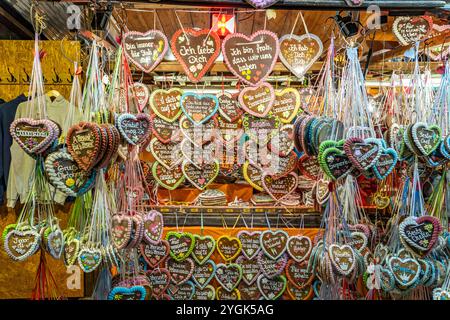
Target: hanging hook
(13, 79)
(27, 80)
(58, 78)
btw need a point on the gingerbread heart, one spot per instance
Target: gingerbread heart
(406, 271)
(271, 289)
(249, 292)
(154, 254)
(363, 153)
(305, 293)
(124, 293)
(198, 135)
(228, 247)
(145, 50)
(228, 275)
(207, 293)
(298, 53)
(83, 142)
(342, 258)
(425, 138)
(252, 58)
(153, 226)
(409, 30)
(135, 129)
(282, 166)
(281, 187)
(229, 132)
(299, 247)
(181, 244)
(298, 274)
(180, 271)
(287, 104)
(309, 167)
(204, 273)
(199, 155)
(195, 50)
(203, 248)
(250, 269)
(141, 93)
(200, 177)
(184, 291)
(121, 229)
(250, 243)
(166, 103)
(272, 267)
(385, 164)
(420, 233)
(33, 136)
(55, 242)
(335, 163)
(252, 174)
(89, 259)
(20, 245)
(282, 142)
(229, 107)
(168, 179)
(71, 250)
(167, 154)
(159, 281)
(258, 100)
(258, 129)
(273, 243)
(163, 130)
(199, 108)
(222, 294)
(65, 174)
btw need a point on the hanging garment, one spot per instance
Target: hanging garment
(21, 164)
(7, 114)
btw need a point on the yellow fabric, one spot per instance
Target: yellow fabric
(22, 165)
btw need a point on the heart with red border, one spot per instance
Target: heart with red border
(409, 30)
(363, 153)
(200, 177)
(135, 129)
(250, 243)
(297, 274)
(286, 105)
(272, 289)
(180, 271)
(141, 93)
(164, 131)
(251, 59)
(83, 142)
(199, 108)
(309, 167)
(145, 50)
(203, 248)
(153, 226)
(298, 53)
(272, 267)
(257, 101)
(228, 275)
(166, 103)
(154, 254)
(420, 233)
(33, 136)
(168, 179)
(250, 269)
(121, 229)
(159, 281)
(342, 258)
(273, 243)
(204, 273)
(279, 188)
(282, 142)
(229, 108)
(167, 154)
(195, 50)
(299, 247)
(199, 135)
(181, 244)
(228, 247)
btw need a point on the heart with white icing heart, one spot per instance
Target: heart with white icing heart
(168, 179)
(250, 243)
(200, 177)
(199, 108)
(281, 187)
(409, 30)
(298, 53)
(145, 50)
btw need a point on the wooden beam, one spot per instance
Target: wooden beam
(11, 19)
(400, 50)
